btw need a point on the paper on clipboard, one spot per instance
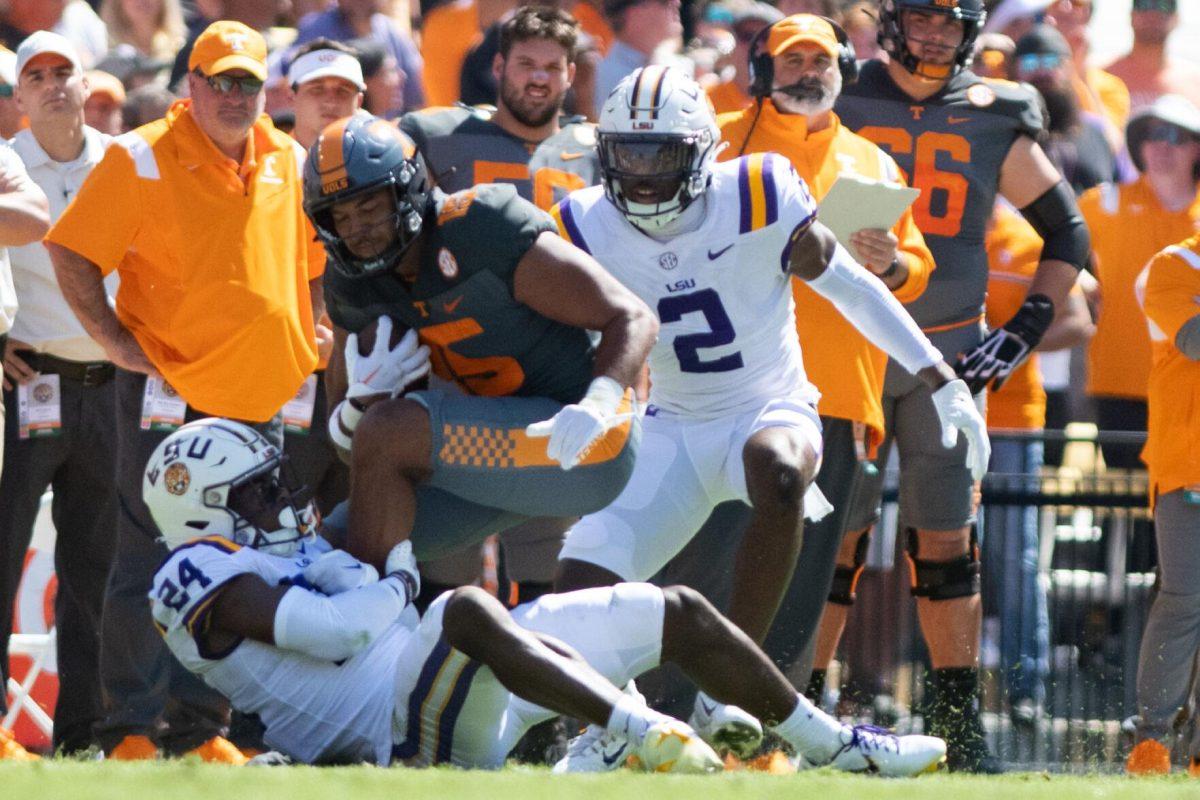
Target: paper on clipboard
(854, 203)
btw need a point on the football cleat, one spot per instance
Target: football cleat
(219, 750)
(1150, 757)
(594, 750)
(672, 746)
(867, 748)
(726, 728)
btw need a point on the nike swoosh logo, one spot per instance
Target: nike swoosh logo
(957, 120)
(610, 760)
(450, 307)
(707, 708)
(714, 256)
(571, 156)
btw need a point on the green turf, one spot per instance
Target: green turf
(185, 780)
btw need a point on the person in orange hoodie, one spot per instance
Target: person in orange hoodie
(812, 52)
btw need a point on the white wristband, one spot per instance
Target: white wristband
(344, 419)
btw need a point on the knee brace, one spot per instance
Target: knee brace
(845, 579)
(943, 580)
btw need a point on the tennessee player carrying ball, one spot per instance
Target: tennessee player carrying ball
(502, 307)
(960, 139)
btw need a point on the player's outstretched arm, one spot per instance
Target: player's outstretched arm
(817, 257)
(562, 282)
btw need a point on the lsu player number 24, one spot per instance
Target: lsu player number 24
(342, 670)
(713, 248)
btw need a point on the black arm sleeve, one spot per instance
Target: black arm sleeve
(1057, 219)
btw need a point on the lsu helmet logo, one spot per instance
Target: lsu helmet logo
(177, 478)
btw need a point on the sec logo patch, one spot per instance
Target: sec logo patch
(447, 264)
(981, 95)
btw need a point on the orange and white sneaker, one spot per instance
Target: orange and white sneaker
(134, 747)
(12, 750)
(672, 746)
(219, 750)
(1149, 757)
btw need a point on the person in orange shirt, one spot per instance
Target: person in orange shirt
(810, 52)
(1009, 533)
(1098, 91)
(449, 32)
(200, 214)
(1129, 224)
(1172, 637)
(1147, 71)
(734, 94)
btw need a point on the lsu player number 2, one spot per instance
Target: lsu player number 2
(688, 346)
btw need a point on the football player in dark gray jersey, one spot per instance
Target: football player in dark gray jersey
(960, 139)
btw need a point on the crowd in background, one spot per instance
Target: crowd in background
(1125, 135)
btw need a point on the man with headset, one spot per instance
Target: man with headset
(798, 68)
(961, 139)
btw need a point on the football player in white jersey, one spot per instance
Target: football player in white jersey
(713, 248)
(338, 666)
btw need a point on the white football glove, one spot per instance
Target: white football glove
(575, 428)
(957, 412)
(385, 371)
(402, 564)
(337, 571)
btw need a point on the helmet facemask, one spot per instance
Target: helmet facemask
(270, 512)
(652, 178)
(893, 38)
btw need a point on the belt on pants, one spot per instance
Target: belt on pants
(89, 373)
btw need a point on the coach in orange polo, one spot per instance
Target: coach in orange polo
(200, 215)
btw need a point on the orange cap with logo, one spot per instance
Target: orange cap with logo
(227, 45)
(791, 31)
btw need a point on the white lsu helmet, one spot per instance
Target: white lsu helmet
(657, 138)
(216, 477)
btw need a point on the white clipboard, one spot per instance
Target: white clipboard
(854, 203)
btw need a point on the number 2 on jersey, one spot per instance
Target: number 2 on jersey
(687, 346)
(933, 182)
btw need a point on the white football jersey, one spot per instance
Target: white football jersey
(313, 710)
(727, 341)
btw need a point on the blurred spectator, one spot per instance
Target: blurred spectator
(591, 22)
(1147, 70)
(327, 83)
(1171, 642)
(1015, 18)
(1129, 224)
(144, 105)
(640, 28)
(152, 27)
(733, 94)
(1076, 143)
(478, 83)
(51, 362)
(215, 315)
(993, 55)
(1098, 92)
(103, 107)
(384, 80)
(825, 8)
(11, 118)
(363, 19)
(73, 19)
(449, 32)
(133, 69)
(861, 23)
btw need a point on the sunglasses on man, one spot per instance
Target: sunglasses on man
(225, 84)
(1171, 134)
(1030, 63)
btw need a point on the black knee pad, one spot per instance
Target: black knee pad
(943, 580)
(845, 579)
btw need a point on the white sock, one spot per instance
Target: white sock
(811, 731)
(631, 719)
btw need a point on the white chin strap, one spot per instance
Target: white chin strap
(294, 528)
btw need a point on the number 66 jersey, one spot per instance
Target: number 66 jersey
(721, 290)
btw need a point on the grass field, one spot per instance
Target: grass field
(186, 780)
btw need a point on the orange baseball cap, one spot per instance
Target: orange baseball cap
(227, 45)
(102, 82)
(791, 31)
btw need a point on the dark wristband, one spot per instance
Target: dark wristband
(892, 270)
